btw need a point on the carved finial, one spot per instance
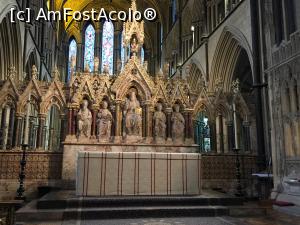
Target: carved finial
(12, 73)
(219, 85)
(106, 69)
(146, 65)
(235, 86)
(160, 73)
(55, 74)
(96, 64)
(34, 73)
(133, 5)
(87, 68)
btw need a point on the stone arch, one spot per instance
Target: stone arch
(10, 92)
(53, 99)
(6, 7)
(232, 41)
(242, 108)
(10, 52)
(31, 59)
(197, 10)
(195, 76)
(143, 91)
(200, 106)
(225, 110)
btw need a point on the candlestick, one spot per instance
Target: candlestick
(236, 141)
(26, 135)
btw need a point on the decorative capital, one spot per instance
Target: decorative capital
(34, 73)
(55, 74)
(12, 73)
(235, 86)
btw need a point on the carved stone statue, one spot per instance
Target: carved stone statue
(96, 64)
(178, 124)
(84, 119)
(160, 120)
(104, 122)
(106, 69)
(134, 47)
(133, 116)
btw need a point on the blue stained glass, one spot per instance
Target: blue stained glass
(174, 8)
(142, 55)
(202, 133)
(108, 46)
(72, 54)
(89, 47)
(122, 52)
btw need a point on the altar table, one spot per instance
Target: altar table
(138, 173)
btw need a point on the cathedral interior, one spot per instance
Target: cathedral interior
(200, 104)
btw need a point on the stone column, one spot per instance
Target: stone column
(230, 134)
(5, 127)
(225, 136)
(98, 41)
(246, 131)
(118, 122)
(293, 105)
(10, 133)
(100, 46)
(74, 122)
(212, 127)
(188, 127)
(169, 125)
(94, 117)
(62, 128)
(117, 49)
(148, 122)
(40, 132)
(70, 117)
(218, 136)
(18, 131)
(79, 57)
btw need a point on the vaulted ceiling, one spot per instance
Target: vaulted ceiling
(161, 6)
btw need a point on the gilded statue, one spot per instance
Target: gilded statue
(133, 116)
(84, 119)
(178, 124)
(159, 120)
(104, 122)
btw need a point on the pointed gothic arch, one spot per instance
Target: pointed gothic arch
(232, 41)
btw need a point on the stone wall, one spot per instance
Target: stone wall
(42, 169)
(45, 168)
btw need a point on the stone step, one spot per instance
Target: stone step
(145, 212)
(59, 201)
(64, 205)
(31, 214)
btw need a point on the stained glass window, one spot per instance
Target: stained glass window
(202, 133)
(89, 47)
(174, 11)
(72, 57)
(108, 46)
(122, 52)
(142, 55)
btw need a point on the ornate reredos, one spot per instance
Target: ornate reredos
(96, 87)
(133, 28)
